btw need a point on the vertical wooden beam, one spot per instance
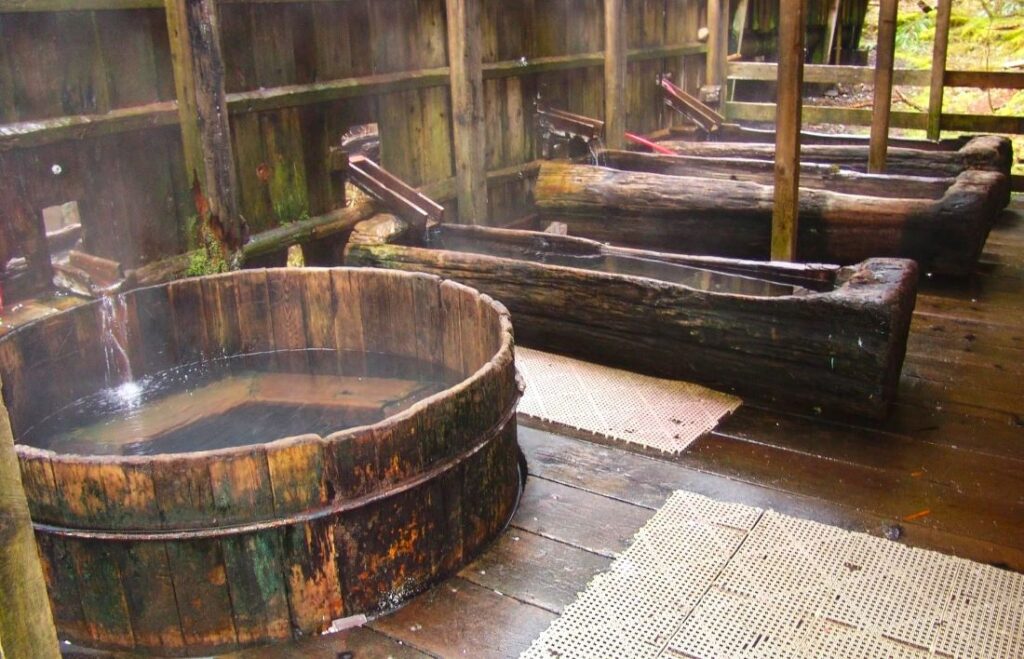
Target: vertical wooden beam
(718, 41)
(788, 109)
(26, 624)
(614, 74)
(938, 84)
(465, 59)
(194, 33)
(830, 31)
(883, 85)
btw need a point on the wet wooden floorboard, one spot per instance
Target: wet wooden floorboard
(945, 471)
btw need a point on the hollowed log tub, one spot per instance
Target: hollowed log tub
(198, 553)
(906, 157)
(724, 208)
(818, 338)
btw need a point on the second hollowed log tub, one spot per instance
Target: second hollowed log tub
(949, 158)
(942, 225)
(202, 552)
(818, 338)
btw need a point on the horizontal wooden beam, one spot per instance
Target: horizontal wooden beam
(813, 114)
(274, 98)
(985, 79)
(11, 6)
(27, 134)
(822, 73)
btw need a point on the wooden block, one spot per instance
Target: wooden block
(150, 309)
(319, 309)
(310, 566)
(451, 313)
(296, 469)
(223, 332)
(348, 321)
(285, 292)
(149, 596)
(204, 601)
(252, 564)
(255, 320)
(103, 599)
(189, 318)
(241, 486)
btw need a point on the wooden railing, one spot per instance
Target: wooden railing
(820, 73)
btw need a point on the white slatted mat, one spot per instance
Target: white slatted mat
(666, 415)
(708, 579)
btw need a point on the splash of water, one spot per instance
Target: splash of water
(596, 146)
(114, 325)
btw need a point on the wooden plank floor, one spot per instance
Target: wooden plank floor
(945, 472)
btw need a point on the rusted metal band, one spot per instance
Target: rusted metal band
(335, 508)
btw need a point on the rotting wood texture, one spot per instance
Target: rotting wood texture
(204, 552)
(762, 333)
(695, 215)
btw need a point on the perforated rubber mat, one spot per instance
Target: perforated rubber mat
(709, 579)
(666, 415)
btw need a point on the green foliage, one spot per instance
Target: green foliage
(984, 35)
(206, 256)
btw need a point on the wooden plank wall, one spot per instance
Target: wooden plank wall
(55, 64)
(61, 64)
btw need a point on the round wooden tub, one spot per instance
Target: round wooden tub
(196, 553)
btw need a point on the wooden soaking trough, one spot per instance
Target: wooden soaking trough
(198, 553)
(723, 207)
(908, 157)
(818, 338)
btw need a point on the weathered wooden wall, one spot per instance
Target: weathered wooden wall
(57, 64)
(88, 85)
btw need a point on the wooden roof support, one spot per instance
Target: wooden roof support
(787, 130)
(938, 79)
(883, 85)
(718, 41)
(465, 55)
(26, 624)
(614, 74)
(194, 33)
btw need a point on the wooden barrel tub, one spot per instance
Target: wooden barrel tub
(820, 339)
(196, 553)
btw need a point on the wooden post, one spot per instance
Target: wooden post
(830, 31)
(938, 83)
(883, 86)
(26, 624)
(614, 74)
(718, 41)
(194, 33)
(788, 109)
(465, 58)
